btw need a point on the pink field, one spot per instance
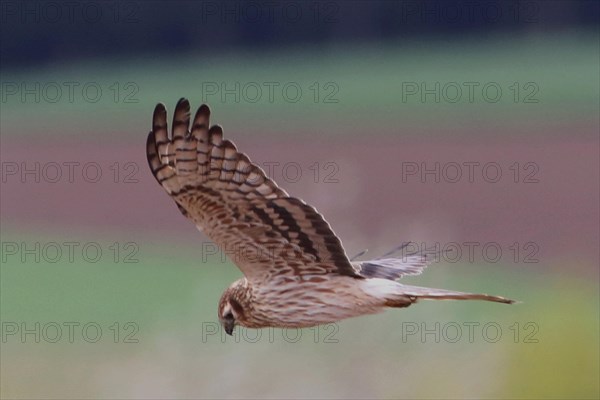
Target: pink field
(379, 200)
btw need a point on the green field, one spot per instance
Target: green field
(556, 82)
(171, 298)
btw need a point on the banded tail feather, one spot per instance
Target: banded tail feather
(419, 292)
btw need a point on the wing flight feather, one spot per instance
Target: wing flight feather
(235, 204)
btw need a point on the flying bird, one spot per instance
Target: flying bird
(296, 271)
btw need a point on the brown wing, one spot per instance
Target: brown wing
(255, 222)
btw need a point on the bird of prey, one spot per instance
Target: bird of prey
(296, 272)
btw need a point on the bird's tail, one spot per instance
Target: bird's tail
(414, 293)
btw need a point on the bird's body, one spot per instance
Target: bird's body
(306, 301)
(297, 273)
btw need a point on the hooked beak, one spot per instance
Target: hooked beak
(228, 326)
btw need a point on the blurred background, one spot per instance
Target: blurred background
(471, 126)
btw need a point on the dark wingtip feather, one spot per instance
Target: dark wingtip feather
(204, 109)
(160, 108)
(182, 105)
(202, 118)
(159, 117)
(181, 100)
(181, 119)
(216, 134)
(218, 129)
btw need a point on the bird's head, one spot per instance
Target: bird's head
(231, 311)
